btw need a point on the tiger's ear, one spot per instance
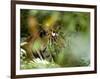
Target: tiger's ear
(32, 24)
(48, 24)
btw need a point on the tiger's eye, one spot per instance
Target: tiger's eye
(42, 33)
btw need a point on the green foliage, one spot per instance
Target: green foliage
(24, 29)
(37, 45)
(37, 63)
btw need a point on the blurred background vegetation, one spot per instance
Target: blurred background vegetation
(72, 47)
